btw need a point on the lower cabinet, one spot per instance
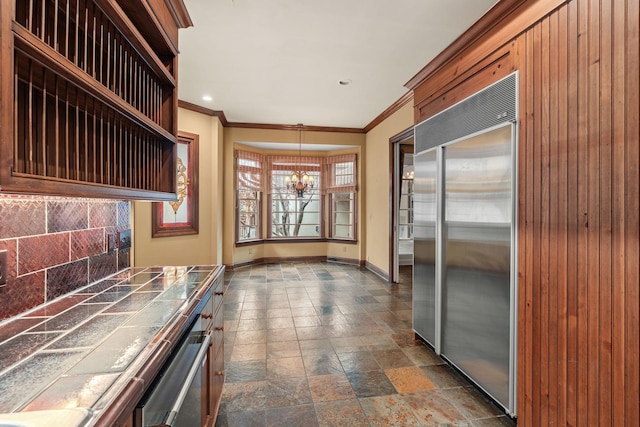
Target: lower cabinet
(216, 367)
(196, 369)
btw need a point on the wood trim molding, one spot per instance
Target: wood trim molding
(398, 138)
(180, 13)
(377, 271)
(158, 228)
(294, 127)
(349, 261)
(220, 114)
(407, 97)
(489, 20)
(203, 110)
(281, 260)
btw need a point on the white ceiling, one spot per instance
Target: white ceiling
(280, 61)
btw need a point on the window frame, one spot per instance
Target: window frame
(353, 217)
(328, 186)
(321, 211)
(187, 192)
(258, 225)
(258, 189)
(342, 184)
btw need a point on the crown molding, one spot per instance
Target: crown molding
(390, 110)
(489, 20)
(203, 110)
(295, 127)
(407, 97)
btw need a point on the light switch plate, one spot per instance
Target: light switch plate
(3, 268)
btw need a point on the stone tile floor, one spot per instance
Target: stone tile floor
(331, 345)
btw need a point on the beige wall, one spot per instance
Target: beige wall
(215, 242)
(238, 255)
(206, 246)
(377, 190)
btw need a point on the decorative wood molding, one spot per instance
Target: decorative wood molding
(407, 97)
(389, 111)
(489, 20)
(203, 110)
(220, 114)
(180, 13)
(188, 194)
(294, 127)
(393, 185)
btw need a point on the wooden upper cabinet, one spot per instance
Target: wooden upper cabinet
(88, 97)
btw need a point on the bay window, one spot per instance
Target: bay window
(325, 209)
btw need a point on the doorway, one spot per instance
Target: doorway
(401, 204)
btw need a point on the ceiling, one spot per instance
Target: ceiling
(280, 61)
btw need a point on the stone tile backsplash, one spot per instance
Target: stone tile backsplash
(56, 245)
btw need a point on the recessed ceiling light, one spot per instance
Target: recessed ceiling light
(207, 98)
(344, 82)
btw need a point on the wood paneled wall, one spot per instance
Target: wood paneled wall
(579, 191)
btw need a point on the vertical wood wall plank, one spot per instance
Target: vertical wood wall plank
(523, 307)
(619, 255)
(593, 209)
(538, 292)
(553, 214)
(542, 130)
(562, 294)
(583, 212)
(632, 182)
(572, 215)
(605, 204)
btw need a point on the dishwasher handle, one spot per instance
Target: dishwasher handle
(171, 417)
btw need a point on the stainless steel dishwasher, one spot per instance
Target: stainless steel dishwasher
(178, 396)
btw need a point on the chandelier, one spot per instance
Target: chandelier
(299, 182)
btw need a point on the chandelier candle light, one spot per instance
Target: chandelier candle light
(300, 181)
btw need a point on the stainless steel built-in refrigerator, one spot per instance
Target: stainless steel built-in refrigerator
(464, 280)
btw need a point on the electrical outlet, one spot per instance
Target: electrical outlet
(3, 268)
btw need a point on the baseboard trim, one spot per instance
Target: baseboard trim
(349, 261)
(377, 271)
(281, 260)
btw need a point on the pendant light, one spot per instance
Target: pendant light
(300, 182)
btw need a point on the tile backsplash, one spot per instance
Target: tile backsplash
(56, 245)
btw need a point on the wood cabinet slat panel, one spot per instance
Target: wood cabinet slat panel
(80, 20)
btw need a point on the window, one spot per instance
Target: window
(180, 217)
(341, 186)
(293, 216)
(327, 209)
(249, 170)
(343, 210)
